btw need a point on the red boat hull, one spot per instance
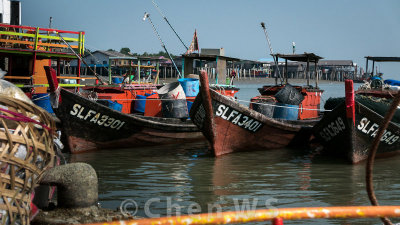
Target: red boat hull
(230, 127)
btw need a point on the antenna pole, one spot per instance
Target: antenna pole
(50, 21)
(166, 20)
(272, 51)
(147, 16)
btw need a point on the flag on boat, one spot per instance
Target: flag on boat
(194, 46)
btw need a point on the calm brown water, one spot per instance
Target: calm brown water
(161, 178)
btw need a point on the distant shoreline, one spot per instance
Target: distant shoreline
(263, 81)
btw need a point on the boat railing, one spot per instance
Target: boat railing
(45, 41)
(277, 216)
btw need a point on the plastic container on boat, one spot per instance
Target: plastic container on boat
(395, 88)
(189, 105)
(140, 103)
(190, 86)
(286, 112)
(289, 95)
(174, 108)
(115, 105)
(111, 104)
(265, 108)
(173, 101)
(117, 80)
(43, 100)
(172, 90)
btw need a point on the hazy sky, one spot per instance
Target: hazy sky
(333, 29)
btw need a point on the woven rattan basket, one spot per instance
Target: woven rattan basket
(26, 150)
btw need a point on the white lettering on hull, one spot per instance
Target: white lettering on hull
(370, 128)
(235, 117)
(365, 126)
(95, 117)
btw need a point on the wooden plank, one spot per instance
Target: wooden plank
(17, 34)
(17, 77)
(71, 85)
(58, 38)
(141, 66)
(78, 78)
(47, 85)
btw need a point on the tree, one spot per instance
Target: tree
(110, 49)
(125, 51)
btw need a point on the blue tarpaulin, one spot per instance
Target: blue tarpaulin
(392, 82)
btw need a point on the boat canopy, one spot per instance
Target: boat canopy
(209, 57)
(383, 59)
(306, 57)
(379, 59)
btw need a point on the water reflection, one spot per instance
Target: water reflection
(188, 174)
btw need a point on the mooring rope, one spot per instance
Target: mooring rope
(282, 106)
(44, 96)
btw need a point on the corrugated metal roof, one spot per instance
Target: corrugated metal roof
(209, 57)
(320, 63)
(311, 57)
(115, 55)
(335, 63)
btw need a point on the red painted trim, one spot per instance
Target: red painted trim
(277, 221)
(350, 104)
(51, 78)
(16, 26)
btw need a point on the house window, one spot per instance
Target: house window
(91, 61)
(104, 62)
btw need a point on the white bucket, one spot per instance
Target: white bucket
(172, 91)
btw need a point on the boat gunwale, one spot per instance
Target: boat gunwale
(149, 122)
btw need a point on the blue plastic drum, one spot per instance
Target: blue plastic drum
(286, 112)
(117, 80)
(190, 86)
(140, 103)
(43, 100)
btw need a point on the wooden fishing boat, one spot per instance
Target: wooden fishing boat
(230, 127)
(375, 85)
(349, 129)
(89, 125)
